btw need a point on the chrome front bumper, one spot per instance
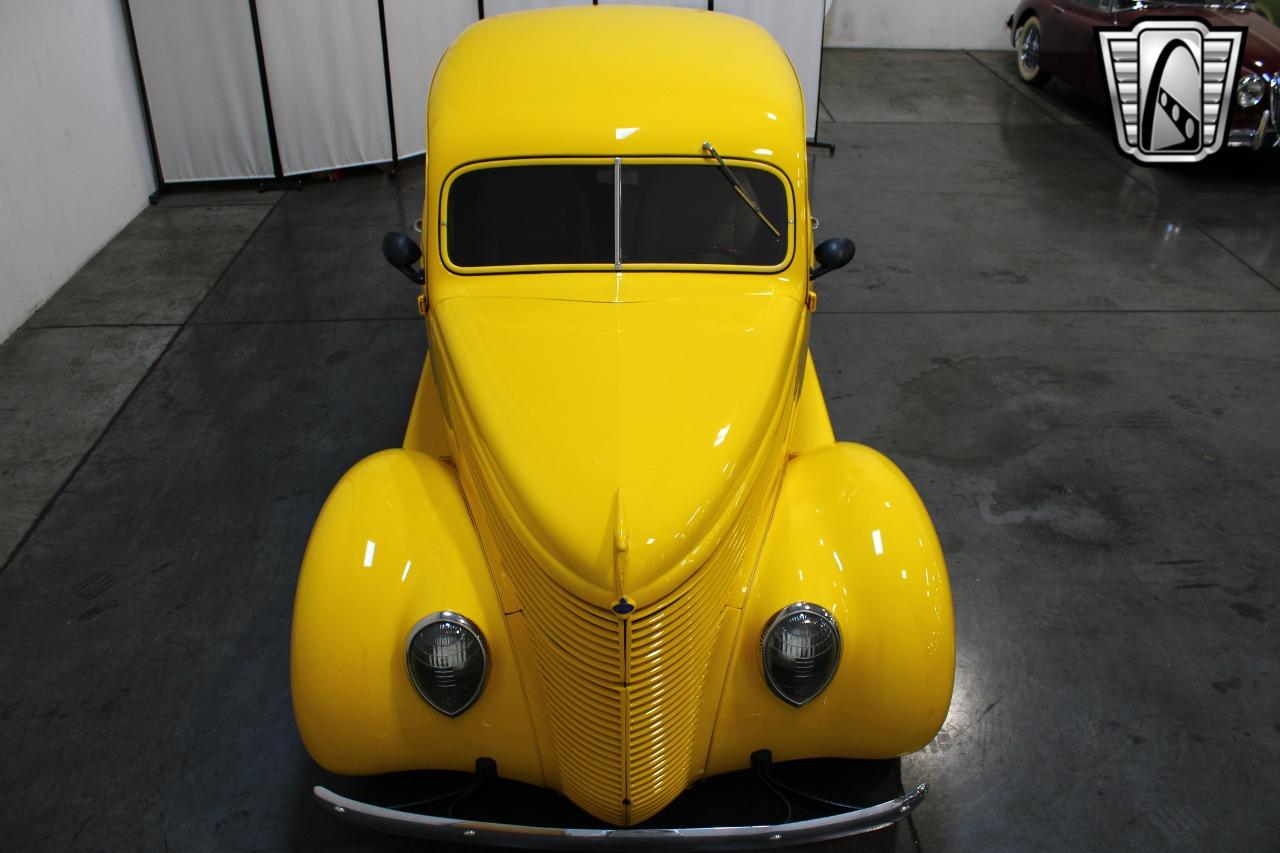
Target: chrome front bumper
(1255, 138)
(551, 838)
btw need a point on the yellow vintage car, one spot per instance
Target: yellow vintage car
(620, 550)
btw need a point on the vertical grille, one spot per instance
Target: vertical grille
(578, 650)
(669, 650)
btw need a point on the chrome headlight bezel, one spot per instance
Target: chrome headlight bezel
(774, 624)
(1250, 90)
(471, 629)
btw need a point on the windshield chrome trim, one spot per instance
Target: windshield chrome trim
(442, 225)
(617, 214)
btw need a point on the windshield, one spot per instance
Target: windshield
(622, 215)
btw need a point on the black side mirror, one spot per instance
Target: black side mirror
(831, 255)
(402, 253)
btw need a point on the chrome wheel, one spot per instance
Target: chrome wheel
(1029, 53)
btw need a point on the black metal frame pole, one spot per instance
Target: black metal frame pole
(142, 98)
(814, 143)
(480, 8)
(276, 166)
(817, 101)
(386, 73)
(817, 119)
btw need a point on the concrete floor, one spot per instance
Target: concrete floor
(1073, 357)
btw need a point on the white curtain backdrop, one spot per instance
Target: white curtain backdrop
(797, 25)
(501, 7)
(328, 92)
(201, 71)
(688, 4)
(326, 77)
(418, 33)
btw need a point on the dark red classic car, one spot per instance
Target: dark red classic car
(1057, 38)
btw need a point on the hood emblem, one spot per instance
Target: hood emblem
(621, 545)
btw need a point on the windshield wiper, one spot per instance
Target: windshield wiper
(746, 196)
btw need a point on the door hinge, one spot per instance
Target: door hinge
(422, 304)
(811, 301)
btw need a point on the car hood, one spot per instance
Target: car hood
(611, 427)
(1262, 43)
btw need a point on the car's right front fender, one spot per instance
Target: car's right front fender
(393, 544)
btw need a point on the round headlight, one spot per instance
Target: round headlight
(1250, 89)
(800, 649)
(448, 661)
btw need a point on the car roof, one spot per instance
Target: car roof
(615, 80)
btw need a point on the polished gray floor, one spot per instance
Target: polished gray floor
(1072, 357)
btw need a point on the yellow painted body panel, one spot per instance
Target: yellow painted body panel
(427, 432)
(813, 424)
(663, 406)
(585, 436)
(614, 82)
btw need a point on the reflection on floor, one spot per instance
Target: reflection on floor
(1072, 356)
